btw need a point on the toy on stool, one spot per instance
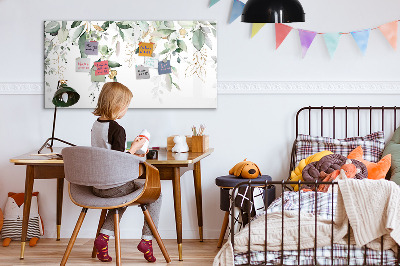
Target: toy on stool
(13, 215)
(245, 169)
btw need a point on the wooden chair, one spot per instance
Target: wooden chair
(85, 167)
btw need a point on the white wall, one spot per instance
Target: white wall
(259, 127)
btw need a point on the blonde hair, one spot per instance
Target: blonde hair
(113, 97)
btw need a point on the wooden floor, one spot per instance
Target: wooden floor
(50, 252)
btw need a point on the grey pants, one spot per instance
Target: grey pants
(154, 208)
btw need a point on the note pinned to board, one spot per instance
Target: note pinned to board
(146, 48)
(142, 72)
(91, 48)
(101, 68)
(95, 78)
(150, 62)
(82, 65)
(164, 67)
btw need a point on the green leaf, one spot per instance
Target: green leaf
(165, 51)
(198, 39)
(186, 24)
(176, 85)
(205, 29)
(103, 49)
(214, 32)
(143, 25)
(137, 50)
(178, 50)
(208, 42)
(162, 33)
(123, 26)
(182, 45)
(113, 64)
(75, 24)
(122, 34)
(52, 27)
(178, 60)
(81, 44)
(62, 35)
(78, 32)
(48, 49)
(169, 24)
(105, 25)
(63, 24)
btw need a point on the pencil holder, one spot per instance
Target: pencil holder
(200, 143)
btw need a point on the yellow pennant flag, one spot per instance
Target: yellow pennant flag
(255, 28)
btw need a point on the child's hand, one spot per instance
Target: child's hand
(137, 144)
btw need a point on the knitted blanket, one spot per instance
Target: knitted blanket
(371, 206)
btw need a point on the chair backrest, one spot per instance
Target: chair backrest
(92, 166)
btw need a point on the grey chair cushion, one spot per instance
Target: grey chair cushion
(83, 196)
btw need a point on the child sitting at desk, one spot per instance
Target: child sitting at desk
(112, 104)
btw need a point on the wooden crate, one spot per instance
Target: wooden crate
(200, 143)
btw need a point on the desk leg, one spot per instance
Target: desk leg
(176, 183)
(60, 190)
(27, 206)
(199, 204)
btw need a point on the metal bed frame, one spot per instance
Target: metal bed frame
(283, 184)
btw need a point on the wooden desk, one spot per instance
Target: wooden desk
(171, 167)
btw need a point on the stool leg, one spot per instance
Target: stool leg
(101, 222)
(223, 229)
(117, 239)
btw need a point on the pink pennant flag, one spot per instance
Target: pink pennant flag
(389, 30)
(306, 39)
(281, 31)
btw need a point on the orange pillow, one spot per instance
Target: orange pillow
(375, 170)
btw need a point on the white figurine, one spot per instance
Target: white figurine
(180, 144)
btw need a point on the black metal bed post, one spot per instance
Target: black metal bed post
(315, 221)
(283, 211)
(333, 192)
(266, 220)
(298, 238)
(249, 220)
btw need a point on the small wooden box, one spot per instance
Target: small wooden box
(171, 143)
(200, 143)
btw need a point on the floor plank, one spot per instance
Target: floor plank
(49, 252)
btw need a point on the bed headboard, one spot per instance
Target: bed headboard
(344, 121)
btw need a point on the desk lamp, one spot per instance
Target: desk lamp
(64, 97)
(273, 11)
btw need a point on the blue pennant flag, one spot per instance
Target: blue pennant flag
(361, 37)
(237, 9)
(213, 2)
(332, 41)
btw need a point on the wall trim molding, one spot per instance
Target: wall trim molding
(259, 87)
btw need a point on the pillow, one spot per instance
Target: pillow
(375, 170)
(393, 148)
(372, 144)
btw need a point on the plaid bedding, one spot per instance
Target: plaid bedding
(322, 207)
(372, 145)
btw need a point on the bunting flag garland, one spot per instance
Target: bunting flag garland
(389, 30)
(332, 41)
(281, 31)
(306, 39)
(256, 28)
(213, 2)
(361, 37)
(237, 8)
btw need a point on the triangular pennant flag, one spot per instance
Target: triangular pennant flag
(306, 39)
(237, 9)
(213, 2)
(281, 31)
(361, 37)
(255, 28)
(332, 41)
(389, 30)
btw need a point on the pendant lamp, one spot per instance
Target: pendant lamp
(273, 11)
(64, 97)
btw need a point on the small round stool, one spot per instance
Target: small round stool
(228, 182)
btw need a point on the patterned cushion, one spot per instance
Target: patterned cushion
(372, 144)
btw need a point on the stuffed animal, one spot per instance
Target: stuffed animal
(245, 169)
(348, 170)
(13, 215)
(375, 170)
(180, 144)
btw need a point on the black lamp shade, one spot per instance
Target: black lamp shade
(60, 99)
(273, 11)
